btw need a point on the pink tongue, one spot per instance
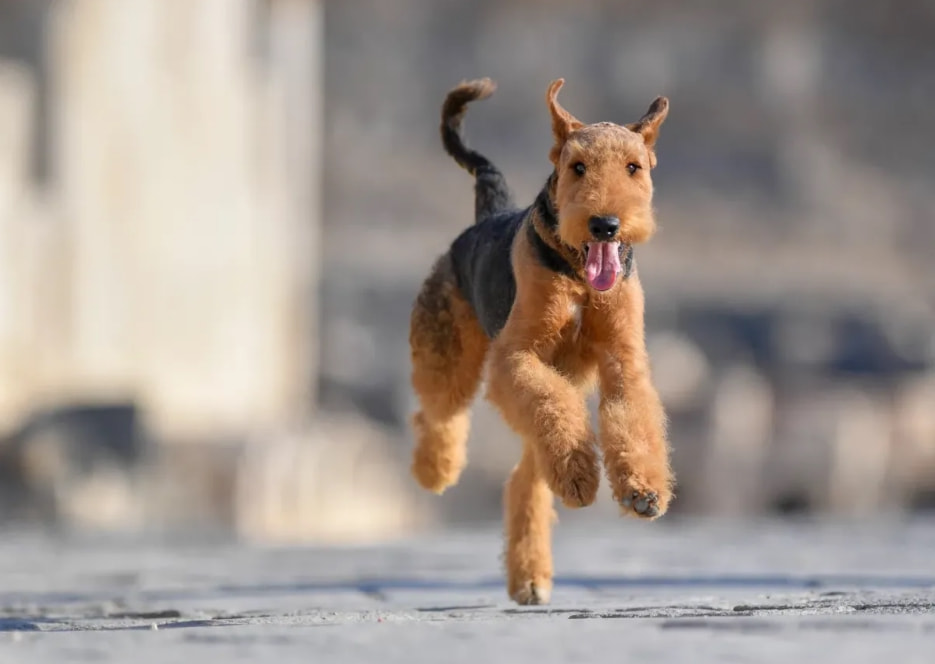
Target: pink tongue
(603, 264)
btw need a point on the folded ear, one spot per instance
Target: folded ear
(563, 122)
(648, 125)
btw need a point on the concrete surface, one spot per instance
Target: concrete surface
(666, 592)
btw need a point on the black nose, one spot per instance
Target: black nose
(603, 228)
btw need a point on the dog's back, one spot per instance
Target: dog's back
(481, 254)
(480, 257)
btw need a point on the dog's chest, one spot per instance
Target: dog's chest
(574, 354)
(584, 325)
(574, 331)
(575, 314)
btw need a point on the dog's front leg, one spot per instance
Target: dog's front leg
(632, 419)
(550, 412)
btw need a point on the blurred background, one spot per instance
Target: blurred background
(215, 214)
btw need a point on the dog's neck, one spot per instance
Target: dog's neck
(543, 234)
(545, 206)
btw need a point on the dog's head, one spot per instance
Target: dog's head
(603, 189)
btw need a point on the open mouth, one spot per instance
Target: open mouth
(602, 264)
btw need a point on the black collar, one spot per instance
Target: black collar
(547, 255)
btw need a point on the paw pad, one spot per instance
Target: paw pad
(644, 504)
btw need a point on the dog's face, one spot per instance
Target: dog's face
(603, 194)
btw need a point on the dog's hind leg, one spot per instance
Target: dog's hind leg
(448, 348)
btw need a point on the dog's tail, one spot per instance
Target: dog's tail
(453, 111)
(491, 191)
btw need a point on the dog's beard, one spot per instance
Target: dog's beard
(602, 264)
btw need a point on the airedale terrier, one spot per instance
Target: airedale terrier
(550, 294)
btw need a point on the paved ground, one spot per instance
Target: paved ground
(626, 591)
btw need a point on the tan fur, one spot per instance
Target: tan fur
(561, 335)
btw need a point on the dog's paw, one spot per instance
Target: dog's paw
(434, 477)
(644, 504)
(637, 498)
(532, 593)
(575, 477)
(439, 455)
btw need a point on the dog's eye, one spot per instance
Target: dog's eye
(633, 167)
(578, 168)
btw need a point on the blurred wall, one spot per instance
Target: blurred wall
(159, 211)
(167, 256)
